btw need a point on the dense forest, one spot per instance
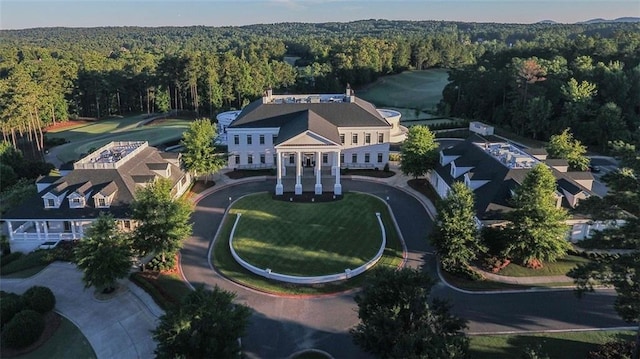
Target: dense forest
(535, 79)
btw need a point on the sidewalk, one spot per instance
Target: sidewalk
(119, 327)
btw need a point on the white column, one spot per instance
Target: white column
(279, 187)
(10, 230)
(318, 189)
(333, 164)
(298, 187)
(37, 225)
(73, 229)
(337, 187)
(46, 229)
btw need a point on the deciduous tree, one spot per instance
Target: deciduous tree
(399, 320)
(419, 152)
(537, 226)
(206, 325)
(103, 255)
(163, 220)
(565, 146)
(455, 234)
(199, 156)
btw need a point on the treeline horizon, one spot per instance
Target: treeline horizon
(52, 74)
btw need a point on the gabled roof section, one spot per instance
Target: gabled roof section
(359, 113)
(493, 198)
(116, 182)
(307, 120)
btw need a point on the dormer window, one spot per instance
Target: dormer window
(102, 202)
(76, 202)
(50, 203)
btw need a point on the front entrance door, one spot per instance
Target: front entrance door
(307, 161)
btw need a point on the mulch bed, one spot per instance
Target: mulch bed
(307, 197)
(52, 321)
(367, 173)
(423, 186)
(238, 174)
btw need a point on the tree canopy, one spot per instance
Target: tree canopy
(419, 152)
(206, 325)
(399, 320)
(163, 222)
(564, 146)
(537, 224)
(199, 152)
(455, 235)
(104, 254)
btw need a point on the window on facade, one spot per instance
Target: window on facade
(367, 158)
(292, 159)
(263, 159)
(342, 158)
(236, 159)
(273, 139)
(51, 202)
(275, 159)
(342, 138)
(325, 158)
(249, 139)
(354, 158)
(183, 180)
(250, 159)
(379, 157)
(354, 139)
(76, 202)
(381, 138)
(126, 224)
(262, 139)
(236, 139)
(367, 138)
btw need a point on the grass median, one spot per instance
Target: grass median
(335, 241)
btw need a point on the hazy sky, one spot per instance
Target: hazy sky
(19, 14)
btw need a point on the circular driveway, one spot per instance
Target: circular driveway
(281, 326)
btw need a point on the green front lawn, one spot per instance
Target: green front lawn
(308, 239)
(226, 265)
(67, 342)
(571, 345)
(559, 267)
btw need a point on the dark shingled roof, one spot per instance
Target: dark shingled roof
(342, 114)
(492, 200)
(105, 181)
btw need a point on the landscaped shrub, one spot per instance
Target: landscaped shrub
(618, 349)
(394, 157)
(64, 251)
(157, 265)
(23, 330)
(163, 300)
(40, 299)
(386, 167)
(27, 261)
(6, 259)
(10, 305)
(464, 272)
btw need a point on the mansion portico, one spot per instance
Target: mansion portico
(311, 137)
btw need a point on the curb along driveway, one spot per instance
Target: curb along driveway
(281, 326)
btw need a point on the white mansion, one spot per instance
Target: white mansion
(318, 132)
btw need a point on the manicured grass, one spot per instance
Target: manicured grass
(225, 264)
(96, 134)
(26, 266)
(411, 89)
(559, 267)
(166, 289)
(308, 239)
(67, 342)
(571, 345)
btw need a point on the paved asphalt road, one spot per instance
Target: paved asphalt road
(282, 326)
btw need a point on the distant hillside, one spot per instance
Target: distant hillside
(620, 19)
(546, 22)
